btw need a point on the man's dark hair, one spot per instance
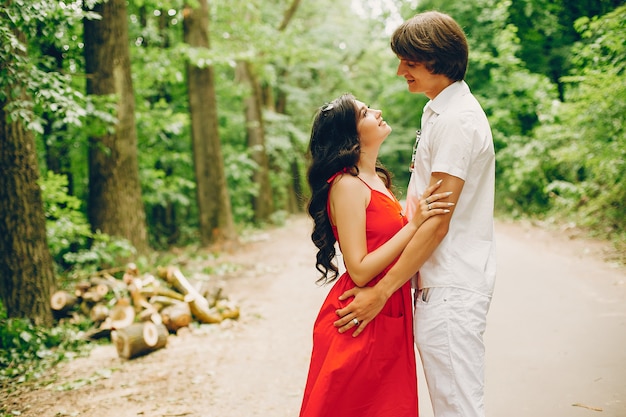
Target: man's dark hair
(435, 40)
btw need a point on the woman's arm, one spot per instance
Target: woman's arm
(368, 302)
(349, 199)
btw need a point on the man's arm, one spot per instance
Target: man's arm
(369, 301)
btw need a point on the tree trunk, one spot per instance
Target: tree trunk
(262, 202)
(214, 209)
(296, 200)
(25, 263)
(114, 206)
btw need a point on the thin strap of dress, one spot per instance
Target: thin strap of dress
(366, 184)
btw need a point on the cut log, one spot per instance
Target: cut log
(62, 302)
(148, 279)
(107, 280)
(150, 314)
(205, 314)
(99, 313)
(81, 288)
(122, 314)
(176, 278)
(199, 305)
(96, 293)
(117, 286)
(139, 301)
(131, 273)
(139, 339)
(176, 316)
(160, 301)
(228, 309)
(154, 290)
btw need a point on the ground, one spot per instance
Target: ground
(538, 362)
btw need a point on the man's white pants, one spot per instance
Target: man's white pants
(449, 327)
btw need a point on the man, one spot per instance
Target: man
(455, 255)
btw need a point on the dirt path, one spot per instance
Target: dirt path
(556, 337)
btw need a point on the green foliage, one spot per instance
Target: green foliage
(67, 227)
(35, 84)
(239, 169)
(573, 166)
(28, 351)
(559, 140)
(546, 26)
(103, 252)
(72, 244)
(589, 131)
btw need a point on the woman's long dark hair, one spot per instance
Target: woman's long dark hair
(334, 147)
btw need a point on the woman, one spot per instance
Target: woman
(373, 375)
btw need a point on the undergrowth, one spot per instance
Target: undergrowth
(28, 351)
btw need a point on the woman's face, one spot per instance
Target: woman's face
(371, 127)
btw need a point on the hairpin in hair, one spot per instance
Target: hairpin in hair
(328, 106)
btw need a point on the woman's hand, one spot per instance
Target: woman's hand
(429, 204)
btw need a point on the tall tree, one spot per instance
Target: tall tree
(25, 262)
(215, 215)
(255, 132)
(295, 196)
(115, 206)
(262, 98)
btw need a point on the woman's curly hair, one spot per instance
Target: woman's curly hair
(334, 147)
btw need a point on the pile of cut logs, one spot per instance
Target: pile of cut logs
(139, 311)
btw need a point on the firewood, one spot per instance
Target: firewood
(150, 314)
(95, 293)
(148, 279)
(122, 314)
(99, 313)
(62, 302)
(201, 310)
(139, 339)
(80, 288)
(85, 307)
(155, 289)
(104, 330)
(176, 278)
(107, 280)
(109, 272)
(228, 309)
(176, 316)
(131, 273)
(197, 303)
(162, 301)
(118, 287)
(139, 301)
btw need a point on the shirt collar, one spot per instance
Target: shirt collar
(444, 98)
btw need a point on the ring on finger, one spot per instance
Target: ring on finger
(427, 201)
(428, 206)
(355, 321)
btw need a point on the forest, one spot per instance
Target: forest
(131, 128)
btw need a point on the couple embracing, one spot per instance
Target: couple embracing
(420, 277)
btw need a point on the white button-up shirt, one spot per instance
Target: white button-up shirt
(456, 139)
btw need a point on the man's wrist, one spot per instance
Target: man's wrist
(383, 289)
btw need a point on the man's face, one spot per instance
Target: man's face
(420, 79)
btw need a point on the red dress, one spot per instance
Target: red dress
(373, 374)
